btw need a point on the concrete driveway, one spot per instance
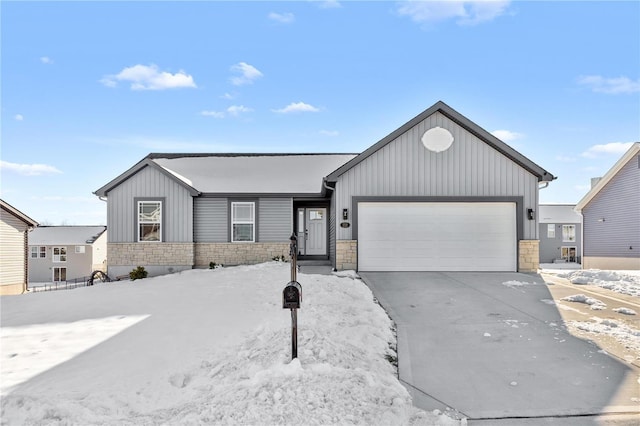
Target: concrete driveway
(493, 347)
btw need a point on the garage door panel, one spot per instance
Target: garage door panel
(436, 236)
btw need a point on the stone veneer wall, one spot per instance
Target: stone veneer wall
(346, 254)
(143, 254)
(529, 258)
(238, 253)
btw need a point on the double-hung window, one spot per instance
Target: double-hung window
(243, 223)
(568, 233)
(149, 220)
(59, 254)
(38, 252)
(551, 230)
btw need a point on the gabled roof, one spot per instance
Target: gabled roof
(240, 173)
(17, 213)
(461, 120)
(628, 156)
(65, 235)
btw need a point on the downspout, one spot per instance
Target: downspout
(335, 236)
(26, 264)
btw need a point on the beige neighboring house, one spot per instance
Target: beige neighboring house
(64, 253)
(14, 243)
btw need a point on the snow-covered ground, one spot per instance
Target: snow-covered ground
(600, 323)
(203, 347)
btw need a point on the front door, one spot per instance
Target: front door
(312, 231)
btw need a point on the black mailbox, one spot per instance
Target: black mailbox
(292, 295)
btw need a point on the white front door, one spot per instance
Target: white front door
(312, 231)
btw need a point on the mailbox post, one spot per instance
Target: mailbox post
(292, 296)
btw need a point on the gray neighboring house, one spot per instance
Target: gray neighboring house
(438, 193)
(611, 216)
(61, 253)
(14, 239)
(560, 233)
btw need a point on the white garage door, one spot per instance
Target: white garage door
(426, 236)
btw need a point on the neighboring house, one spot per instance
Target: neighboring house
(14, 240)
(61, 253)
(611, 216)
(439, 193)
(560, 233)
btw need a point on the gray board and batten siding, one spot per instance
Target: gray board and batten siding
(402, 167)
(150, 184)
(612, 217)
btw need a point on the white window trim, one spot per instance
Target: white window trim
(80, 249)
(56, 258)
(245, 222)
(569, 240)
(551, 230)
(138, 222)
(575, 250)
(59, 268)
(35, 250)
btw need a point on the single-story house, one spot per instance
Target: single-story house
(61, 253)
(560, 233)
(438, 194)
(14, 239)
(611, 216)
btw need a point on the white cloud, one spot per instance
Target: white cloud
(248, 74)
(611, 86)
(46, 60)
(233, 110)
(18, 117)
(507, 135)
(143, 77)
(29, 169)
(465, 12)
(613, 148)
(228, 96)
(329, 132)
(283, 18)
(330, 4)
(296, 107)
(214, 114)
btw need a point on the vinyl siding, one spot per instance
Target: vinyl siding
(150, 183)
(619, 204)
(470, 168)
(211, 221)
(13, 240)
(551, 248)
(275, 219)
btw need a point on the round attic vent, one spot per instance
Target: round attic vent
(437, 139)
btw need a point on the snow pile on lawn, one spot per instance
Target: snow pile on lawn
(620, 282)
(214, 349)
(596, 305)
(624, 311)
(625, 335)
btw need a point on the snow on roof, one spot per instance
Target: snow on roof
(65, 235)
(254, 173)
(558, 213)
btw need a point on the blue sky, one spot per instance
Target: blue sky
(90, 88)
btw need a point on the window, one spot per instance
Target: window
(551, 230)
(59, 274)
(59, 254)
(149, 220)
(243, 222)
(80, 249)
(38, 252)
(568, 233)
